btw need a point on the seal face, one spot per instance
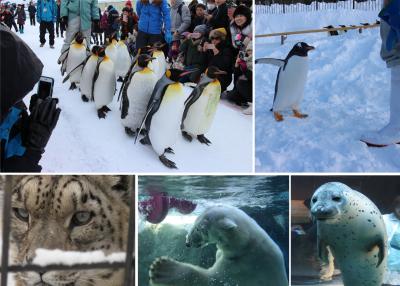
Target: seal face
(351, 227)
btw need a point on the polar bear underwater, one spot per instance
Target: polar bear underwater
(246, 255)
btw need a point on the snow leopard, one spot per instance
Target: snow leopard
(70, 213)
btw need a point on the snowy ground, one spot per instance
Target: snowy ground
(83, 143)
(347, 93)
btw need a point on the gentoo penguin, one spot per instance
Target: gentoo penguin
(88, 71)
(291, 80)
(123, 60)
(164, 114)
(201, 106)
(76, 55)
(159, 64)
(104, 84)
(136, 95)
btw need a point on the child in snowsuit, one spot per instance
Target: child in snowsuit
(390, 53)
(21, 17)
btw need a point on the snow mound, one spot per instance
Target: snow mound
(347, 94)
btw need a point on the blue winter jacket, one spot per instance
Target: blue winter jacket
(46, 11)
(152, 17)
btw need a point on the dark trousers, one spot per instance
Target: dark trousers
(33, 20)
(49, 26)
(60, 28)
(14, 25)
(21, 27)
(144, 39)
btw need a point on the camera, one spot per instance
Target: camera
(45, 87)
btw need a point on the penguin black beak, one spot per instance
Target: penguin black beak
(149, 59)
(310, 48)
(188, 72)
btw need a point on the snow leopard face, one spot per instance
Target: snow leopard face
(70, 213)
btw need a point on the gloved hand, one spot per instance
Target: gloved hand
(64, 19)
(168, 37)
(41, 123)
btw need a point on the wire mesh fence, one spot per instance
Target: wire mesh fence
(6, 268)
(295, 6)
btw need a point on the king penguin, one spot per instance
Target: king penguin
(201, 106)
(291, 80)
(88, 71)
(76, 55)
(159, 64)
(140, 85)
(104, 84)
(111, 49)
(123, 60)
(164, 114)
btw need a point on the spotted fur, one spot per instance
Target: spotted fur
(45, 212)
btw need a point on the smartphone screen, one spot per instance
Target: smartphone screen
(45, 88)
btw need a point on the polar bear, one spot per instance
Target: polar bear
(246, 255)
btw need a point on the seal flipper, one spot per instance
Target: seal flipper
(380, 243)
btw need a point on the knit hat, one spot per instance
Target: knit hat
(202, 29)
(243, 10)
(218, 33)
(128, 3)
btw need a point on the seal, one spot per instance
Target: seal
(352, 228)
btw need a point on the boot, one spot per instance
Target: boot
(390, 134)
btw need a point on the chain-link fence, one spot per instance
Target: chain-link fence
(5, 268)
(295, 6)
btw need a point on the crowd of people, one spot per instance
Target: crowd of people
(198, 35)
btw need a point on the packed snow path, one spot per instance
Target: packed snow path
(347, 93)
(83, 143)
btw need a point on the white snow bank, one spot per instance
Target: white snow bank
(50, 257)
(347, 94)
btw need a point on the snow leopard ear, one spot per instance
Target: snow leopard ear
(123, 185)
(227, 224)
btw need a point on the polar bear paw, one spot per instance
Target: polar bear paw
(167, 271)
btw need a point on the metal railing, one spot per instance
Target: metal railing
(5, 268)
(295, 6)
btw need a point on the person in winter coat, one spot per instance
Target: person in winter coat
(199, 17)
(241, 27)
(60, 26)
(21, 17)
(220, 54)
(211, 7)
(78, 15)
(192, 7)
(113, 22)
(46, 16)
(97, 31)
(7, 17)
(154, 21)
(194, 57)
(392, 223)
(390, 53)
(128, 20)
(13, 9)
(219, 18)
(104, 22)
(180, 23)
(23, 136)
(242, 92)
(32, 13)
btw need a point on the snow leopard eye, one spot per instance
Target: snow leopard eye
(81, 218)
(21, 214)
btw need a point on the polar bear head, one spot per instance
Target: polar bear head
(228, 227)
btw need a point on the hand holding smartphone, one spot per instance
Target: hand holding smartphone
(45, 87)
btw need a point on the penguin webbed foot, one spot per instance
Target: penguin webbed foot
(168, 163)
(187, 136)
(84, 98)
(203, 139)
(278, 117)
(169, 150)
(145, 141)
(72, 86)
(298, 114)
(129, 132)
(102, 112)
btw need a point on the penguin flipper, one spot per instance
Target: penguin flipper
(95, 76)
(63, 56)
(193, 97)
(75, 68)
(276, 62)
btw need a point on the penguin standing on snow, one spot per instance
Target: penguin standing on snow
(140, 85)
(104, 84)
(201, 106)
(88, 71)
(164, 114)
(159, 64)
(76, 55)
(123, 60)
(291, 80)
